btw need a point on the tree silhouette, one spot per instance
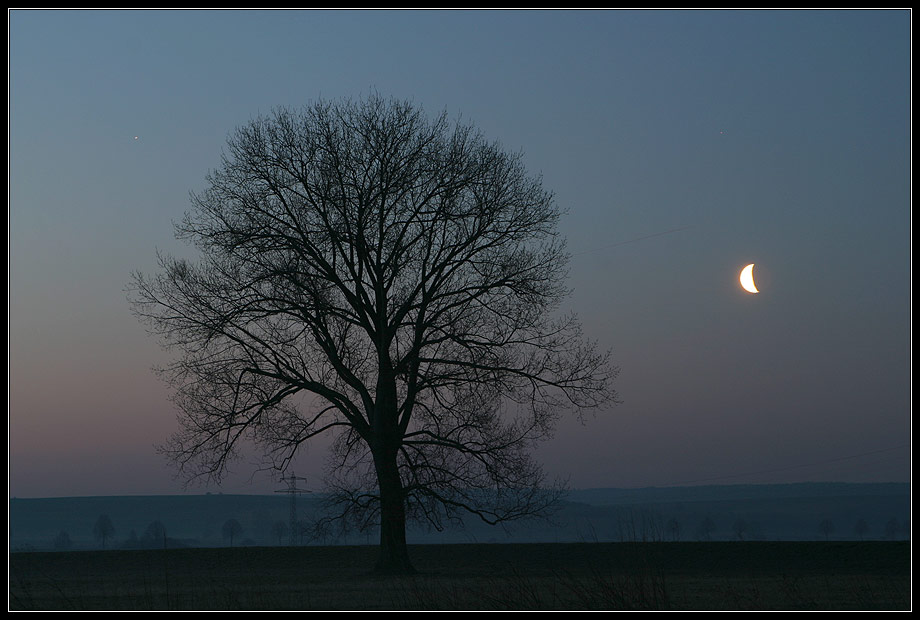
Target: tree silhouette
(231, 529)
(155, 535)
(739, 527)
(861, 528)
(103, 529)
(706, 528)
(279, 530)
(674, 528)
(62, 541)
(891, 529)
(826, 527)
(398, 280)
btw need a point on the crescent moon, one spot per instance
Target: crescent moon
(747, 279)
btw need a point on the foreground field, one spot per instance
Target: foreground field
(659, 575)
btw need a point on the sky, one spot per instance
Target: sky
(683, 145)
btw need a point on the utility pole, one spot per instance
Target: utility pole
(292, 490)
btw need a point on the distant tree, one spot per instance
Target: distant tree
(861, 528)
(311, 530)
(739, 528)
(826, 527)
(155, 535)
(635, 526)
(316, 530)
(891, 529)
(705, 529)
(103, 529)
(62, 541)
(392, 279)
(232, 529)
(674, 529)
(279, 530)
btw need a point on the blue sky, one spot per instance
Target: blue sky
(780, 138)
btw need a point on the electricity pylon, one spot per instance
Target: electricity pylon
(293, 491)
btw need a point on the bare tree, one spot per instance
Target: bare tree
(706, 528)
(861, 528)
(62, 541)
(826, 527)
(103, 529)
(369, 271)
(891, 529)
(279, 530)
(231, 530)
(739, 527)
(674, 528)
(155, 535)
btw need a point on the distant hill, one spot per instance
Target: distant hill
(650, 495)
(764, 512)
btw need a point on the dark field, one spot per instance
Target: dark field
(657, 575)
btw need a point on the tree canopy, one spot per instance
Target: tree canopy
(394, 279)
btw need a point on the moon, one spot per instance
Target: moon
(747, 279)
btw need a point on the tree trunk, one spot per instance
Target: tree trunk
(394, 554)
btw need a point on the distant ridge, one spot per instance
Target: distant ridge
(765, 512)
(667, 493)
(735, 491)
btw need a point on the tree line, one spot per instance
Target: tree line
(647, 528)
(154, 535)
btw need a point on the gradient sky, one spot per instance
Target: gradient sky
(776, 138)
